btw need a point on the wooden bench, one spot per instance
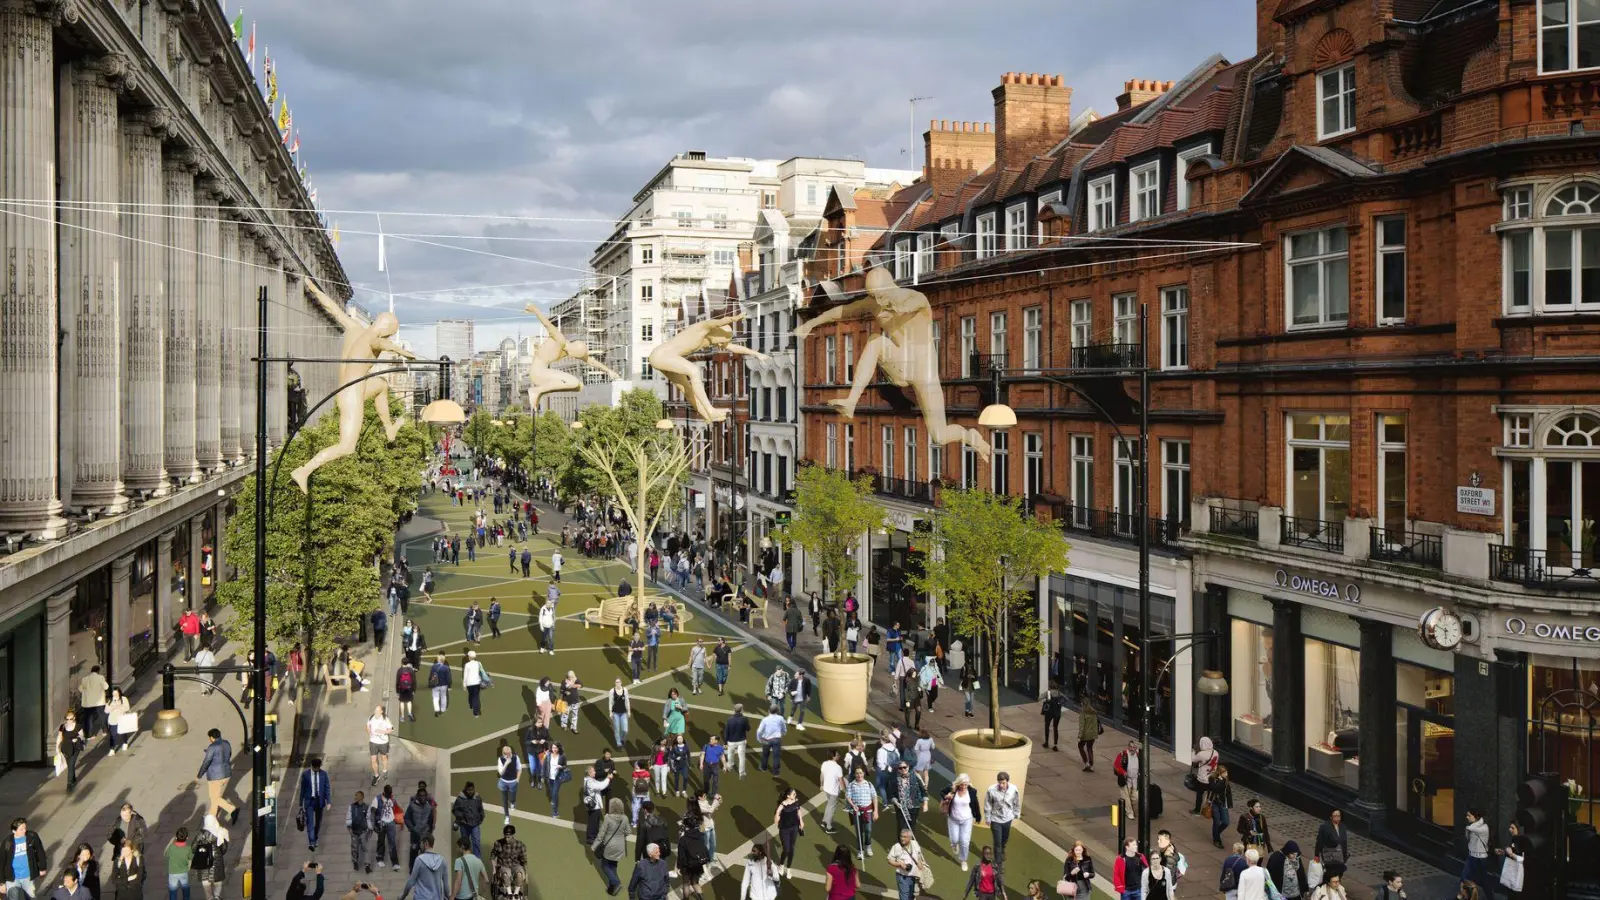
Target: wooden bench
(614, 612)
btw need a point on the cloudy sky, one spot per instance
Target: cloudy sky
(519, 130)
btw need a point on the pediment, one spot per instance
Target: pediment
(1306, 169)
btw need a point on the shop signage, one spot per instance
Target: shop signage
(1477, 501)
(903, 521)
(1583, 634)
(1318, 587)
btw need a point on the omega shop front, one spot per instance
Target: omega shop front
(1556, 662)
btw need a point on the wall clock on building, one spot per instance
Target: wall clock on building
(1440, 629)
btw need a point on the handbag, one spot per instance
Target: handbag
(300, 819)
(1205, 809)
(561, 707)
(1067, 888)
(128, 723)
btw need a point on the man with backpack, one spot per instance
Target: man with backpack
(1126, 767)
(358, 818)
(1051, 710)
(386, 819)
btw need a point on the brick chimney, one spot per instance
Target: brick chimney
(1138, 90)
(1032, 113)
(955, 151)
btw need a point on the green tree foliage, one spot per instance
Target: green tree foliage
(634, 418)
(831, 513)
(988, 553)
(552, 451)
(355, 505)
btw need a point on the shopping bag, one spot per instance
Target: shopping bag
(128, 723)
(61, 764)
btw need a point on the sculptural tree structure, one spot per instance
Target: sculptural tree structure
(556, 347)
(661, 463)
(671, 359)
(903, 349)
(363, 345)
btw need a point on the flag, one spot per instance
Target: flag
(295, 149)
(336, 234)
(250, 50)
(313, 196)
(272, 78)
(285, 120)
(238, 26)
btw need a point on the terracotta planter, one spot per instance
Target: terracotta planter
(842, 687)
(974, 756)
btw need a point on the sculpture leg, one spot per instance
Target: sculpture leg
(351, 416)
(866, 367)
(550, 381)
(380, 397)
(930, 397)
(688, 378)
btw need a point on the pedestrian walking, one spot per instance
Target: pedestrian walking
(380, 627)
(216, 769)
(494, 617)
(1005, 807)
(427, 875)
(178, 855)
(413, 644)
(1333, 845)
(908, 796)
(127, 874)
(210, 861)
(316, 793)
(678, 762)
(862, 802)
(419, 819)
(569, 700)
(527, 562)
(1476, 867)
(1078, 870)
(554, 774)
(87, 870)
(1089, 730)
(789, 820)
(547, 627)
(985, 879)
(1050, 707)
(92, 689)
(472, 622)
(1219, 795)
(842, 879)
(610, 843)
(697, 665)
(509, 768)
(769, 734)
(793, 623)
(962, 810)
(621, 708)
(651, 879)
(652, 641)
(466, 814)
(129, 826)
(405, 690)
(1126, 767)
(722, 656)
(471, 878)
(799, 698)
(636, 655)
(189, 627)
(379, 728)
(358, 821)
(1254, 829)
(761, 875)
(1286, 869)
(1127, 875)
(555, 566)
(911, 871)
(910, 687)
(511, 559)
(1202, 766)
(735, 733)
(439, 677)
(594, 788)
(475, 678)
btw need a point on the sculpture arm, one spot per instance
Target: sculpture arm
(602, 368)
(551, 331)
(742, 350)
(865, 305)
(331, 308)
(392, 347)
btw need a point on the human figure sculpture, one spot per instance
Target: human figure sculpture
(545, 380)
(671, 359)
(362, 342)
(903, 349)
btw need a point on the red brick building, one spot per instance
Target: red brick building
(1368, 260)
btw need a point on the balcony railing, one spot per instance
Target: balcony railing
(981, 364)
(1108, 356)
(1313, 533)
(1114, 525)
(1544, 569)
(914, 489)
(1399, 545)
(1245, 523)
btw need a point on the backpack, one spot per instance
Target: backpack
(408, 680)
(204, 855)
(1229, 880)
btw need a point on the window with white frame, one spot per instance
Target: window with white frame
(1185, 159)
(1551, 247)
(849, 358)
(1082, 323)
(969, 344)
(811, 193)
(1392, 479)
(1044, 204)
(850, 448)
(1033, 465)
(1032, 338)
(1125, 318)
(988, 240)
(1319, 469)
(1103, 203)
(645, 372)
(685, 216)
(1336, 101)
(887, 464)
(1000, 464)
(647, 254)
(718, 217)
(833, 446)
(1391, 270)
(911, 453)
(969, 468)
(924, 260)
(829, 358)
(1175, 491)
(647, 330)
(938, 344)
(1082, 478)
(1519, 431)
(935, 460)
(1552, 491)
(950, 237)
(1569, 35)
(997, 338)
(723, 256)
(1017, 227)
(1146, 192)
(1125, 503)
(1175, 327)
(647, 291)
(902, 259)
(1318, 276)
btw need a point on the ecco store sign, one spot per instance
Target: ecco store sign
(1317, 587)
(1581, 634)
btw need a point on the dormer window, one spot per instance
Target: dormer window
(1146, 192)
(1569, 35)
(1103, 203)
(1336, 102)
(988, 239)
(1017, 227)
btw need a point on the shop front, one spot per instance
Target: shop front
(895, 553)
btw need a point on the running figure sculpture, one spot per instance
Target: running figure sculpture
(903, 349)
(671, 358)
(361, 343)
(545, 380)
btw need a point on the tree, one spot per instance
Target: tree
(551, 442)
(987, 553)
(658, 462)
(831, 513)
(633, 418)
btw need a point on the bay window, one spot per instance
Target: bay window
(1552, 477)
(1550, 250)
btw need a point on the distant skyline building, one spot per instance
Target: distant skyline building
(454, 338)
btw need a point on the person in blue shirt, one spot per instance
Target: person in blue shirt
(769, 733)
(439, 684)
(652, 641)
(892, 639)
(711, 762)
(28, 860)
(494, 617)
(315, 795)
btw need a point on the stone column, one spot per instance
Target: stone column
(29, 490)
(229, 337)
(1376, 744)
(91, 261)
(218, 559)
(165, 620)
(180, 324)
(58, 662)
(278, 318)
(249, 283)
(120, 667)
(196, 541)
(144, 304)
(208, 329)
(1289, 678)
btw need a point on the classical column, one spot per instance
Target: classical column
(218, 558)
(228, 337)
(58, 662)
(278, 319)
(29, 491)
(249, 283)
(197, 540)
(91, 297)
(117, 661)
(144, 303)
(1376, 743)
(1289, 678)
(208, 329)
(180, 325)
(164, 617)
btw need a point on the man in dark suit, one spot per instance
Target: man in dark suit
(315, 794)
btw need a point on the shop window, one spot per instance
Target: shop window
(1251, 685)
(1425, 745)
(1333, 707)
(1553, 492)
(1563, 730)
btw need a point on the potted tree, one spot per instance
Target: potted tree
(831, 513)
(988, 554)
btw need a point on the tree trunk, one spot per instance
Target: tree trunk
(994, 691)
(639, 538)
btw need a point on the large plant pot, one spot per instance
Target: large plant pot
(974, 756)
(843, 686)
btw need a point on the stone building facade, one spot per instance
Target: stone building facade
(1358, 270)
(147, 199)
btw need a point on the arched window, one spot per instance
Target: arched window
(1580, 199)
(1578, 430)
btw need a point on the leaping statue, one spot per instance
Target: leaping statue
(903, 349)
(361, 343)
(545, 380)
(671, 358)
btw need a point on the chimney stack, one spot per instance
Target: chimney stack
(955, 151)
(1032, 113)
(1138, 90)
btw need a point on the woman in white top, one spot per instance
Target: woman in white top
(964, 811)
(760, 876)
(544, 697)
(116, 708)
(1511, 873)
(1205, 762)
(1253, 880)
(473, 677)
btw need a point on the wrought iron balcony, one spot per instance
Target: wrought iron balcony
(980, 365)
(1313, 533)
(1400, 545)
(1563, 570)
(1108, 356)
(1245, 523)
(1114, 525)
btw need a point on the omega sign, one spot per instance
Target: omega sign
(1317, 587)
(1579, 633)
